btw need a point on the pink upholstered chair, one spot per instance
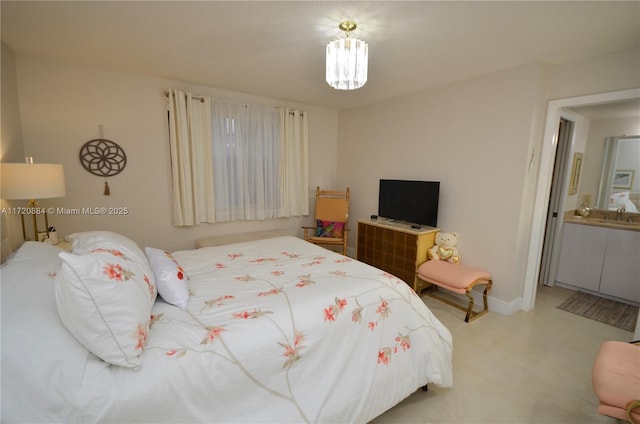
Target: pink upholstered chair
(616, 380)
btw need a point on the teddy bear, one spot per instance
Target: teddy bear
(445, 248)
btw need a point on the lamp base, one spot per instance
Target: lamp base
(35, 210)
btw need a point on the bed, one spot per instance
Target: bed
(275, 330)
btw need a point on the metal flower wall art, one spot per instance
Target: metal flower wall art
(103, 158)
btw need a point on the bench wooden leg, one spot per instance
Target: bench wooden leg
(470, 307)
(470, 313)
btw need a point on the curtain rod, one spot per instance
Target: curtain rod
(166, 94)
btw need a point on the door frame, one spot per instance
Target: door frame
(543, 186)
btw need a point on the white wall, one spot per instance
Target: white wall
(473, 137)
(594, 75)
(481, 138)
(61, 107)
(11, 148)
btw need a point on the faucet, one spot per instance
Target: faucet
(619, 213)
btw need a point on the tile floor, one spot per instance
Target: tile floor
(530, 367)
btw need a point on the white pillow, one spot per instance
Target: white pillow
(629, 206)
(90, 241)
(104, 299)
(620, 199)
(171, 279)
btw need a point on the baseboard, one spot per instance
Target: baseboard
(501, 307)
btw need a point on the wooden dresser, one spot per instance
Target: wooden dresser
(394, 247)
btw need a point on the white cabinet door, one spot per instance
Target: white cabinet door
(621, 270)
(582, 255)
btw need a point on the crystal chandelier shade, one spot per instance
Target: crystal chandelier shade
(347, 60)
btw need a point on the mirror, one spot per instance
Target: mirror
(620, 176)
(612, 134)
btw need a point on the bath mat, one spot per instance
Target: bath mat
(603, 310)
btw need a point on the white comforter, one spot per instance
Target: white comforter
(277, 330)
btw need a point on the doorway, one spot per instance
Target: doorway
(544, 179)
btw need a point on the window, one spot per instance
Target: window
(232, 162)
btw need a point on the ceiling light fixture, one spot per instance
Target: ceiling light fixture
(347, 60)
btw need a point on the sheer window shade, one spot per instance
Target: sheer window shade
(246, 154)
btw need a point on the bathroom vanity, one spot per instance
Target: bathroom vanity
(601, 254)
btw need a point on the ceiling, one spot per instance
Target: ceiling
(276, 49)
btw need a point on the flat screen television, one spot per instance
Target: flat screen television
(414, 202)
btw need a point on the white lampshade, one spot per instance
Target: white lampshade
(32, 181)
(347, 61)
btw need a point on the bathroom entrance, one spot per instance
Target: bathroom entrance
(545, 172)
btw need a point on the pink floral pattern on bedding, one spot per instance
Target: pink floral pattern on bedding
(180, 274)
(116, 272)
(212, 334)
(292, 351)
(330, 313)
(115, 252)
(141, 335)
(309, 337)
(104, 298)
(280, 306)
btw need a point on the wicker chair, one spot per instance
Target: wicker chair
(331, 215)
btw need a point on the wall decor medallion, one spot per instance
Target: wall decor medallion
(103, 158)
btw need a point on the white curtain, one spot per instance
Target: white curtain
(246, 154)
(294, 168)
(191, 165)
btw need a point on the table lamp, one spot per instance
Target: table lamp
(32, 181)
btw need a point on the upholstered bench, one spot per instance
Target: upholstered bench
(455, 278)
(616, 380)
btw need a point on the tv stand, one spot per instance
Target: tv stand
(394, 247)
(412, 225)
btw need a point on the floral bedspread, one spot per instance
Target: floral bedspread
(277, 330)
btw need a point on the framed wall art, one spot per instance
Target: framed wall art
(575, 173)
(623, 178)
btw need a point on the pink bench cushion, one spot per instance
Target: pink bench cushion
(616, 378)
(453, 277)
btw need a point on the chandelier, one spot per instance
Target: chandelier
(347, 60)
